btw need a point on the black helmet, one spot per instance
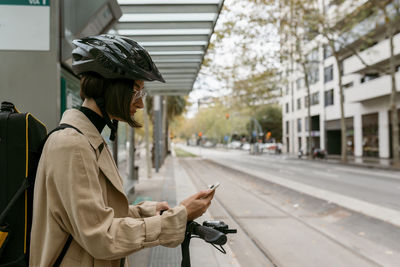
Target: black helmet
(114, 57)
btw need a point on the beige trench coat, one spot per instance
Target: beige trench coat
(79, 191)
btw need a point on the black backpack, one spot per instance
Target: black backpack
(22, 138)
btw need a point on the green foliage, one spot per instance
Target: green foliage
(270, 119)
(183, 153)
(256, 89)
(212, 122)
(242, 38)
(176, 105)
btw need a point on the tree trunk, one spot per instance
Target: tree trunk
(394, 118)
(343, 129)
(309, 146)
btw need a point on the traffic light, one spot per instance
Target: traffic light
(268, 135)
(227, 116)
(200, 134)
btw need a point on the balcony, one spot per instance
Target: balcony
(373, 55)
(337, 12)
(378, 87)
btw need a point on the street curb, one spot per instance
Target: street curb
(359, 165)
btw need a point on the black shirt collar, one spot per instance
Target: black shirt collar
(97, 120)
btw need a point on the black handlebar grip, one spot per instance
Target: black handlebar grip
(210, 235)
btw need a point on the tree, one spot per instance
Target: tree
(270, 119)
(298, 28)
(242, 53)
(213, 123)
(257, 89)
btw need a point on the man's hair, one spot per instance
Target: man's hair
(117, 94)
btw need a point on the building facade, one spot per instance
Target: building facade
(366, 94)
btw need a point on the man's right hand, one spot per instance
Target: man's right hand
(197, 204)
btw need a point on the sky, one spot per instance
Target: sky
(206, 84)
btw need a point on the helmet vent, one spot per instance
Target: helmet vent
(77, 57)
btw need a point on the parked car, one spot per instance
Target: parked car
(273, 148)
(235, 145)
(319, 153)
(246, 146)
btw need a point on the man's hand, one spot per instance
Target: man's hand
(197, 204)
(161, 206)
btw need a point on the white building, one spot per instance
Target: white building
(366, 96)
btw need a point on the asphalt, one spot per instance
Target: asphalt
(373, 193)
(290, 228)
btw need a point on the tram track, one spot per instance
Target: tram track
(200, 184)
(200, 167)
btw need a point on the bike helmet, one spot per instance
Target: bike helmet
(113, 57)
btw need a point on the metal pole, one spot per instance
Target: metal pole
(146, 136)
(157, 120)
(164, 129)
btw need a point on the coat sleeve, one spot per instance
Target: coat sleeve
(84, 214)
(143, 209)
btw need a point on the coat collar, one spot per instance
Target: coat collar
(76, 118)
(106, 163)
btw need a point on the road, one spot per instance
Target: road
(281, 226)
(379, 187)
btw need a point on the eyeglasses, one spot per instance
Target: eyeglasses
(139, 94)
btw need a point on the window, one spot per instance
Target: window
(287, 127)
(287, 108)
(329, 98)
(298, 103)
(328, 74)
(398, 68)
(327, 51)
(312, 57)
(348, 85)
(369, 77)
(298, 125)
(306, 122)
(315, 99)
(313, 74)
(299, 83)
(313, 71)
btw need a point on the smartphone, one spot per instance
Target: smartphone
(214, 186)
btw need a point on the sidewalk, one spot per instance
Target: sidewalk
(171, 184)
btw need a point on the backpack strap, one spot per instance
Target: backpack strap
(69, 240)
(20, 191)
(63, 251)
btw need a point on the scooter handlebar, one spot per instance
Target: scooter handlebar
(210, 235)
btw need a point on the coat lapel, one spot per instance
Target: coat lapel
(109, 169)
(106, 162)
